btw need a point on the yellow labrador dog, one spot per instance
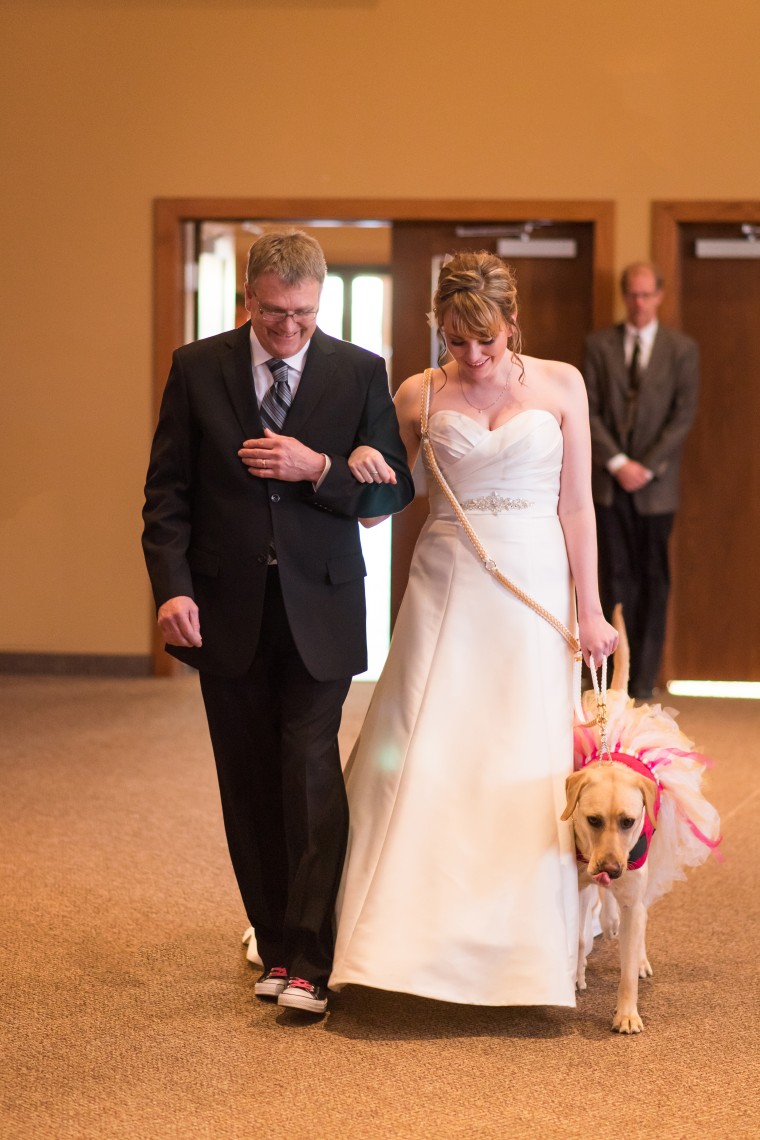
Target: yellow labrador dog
(610, 805)
(635, 833)
(613, 806)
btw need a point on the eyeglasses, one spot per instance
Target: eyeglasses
(272, 316)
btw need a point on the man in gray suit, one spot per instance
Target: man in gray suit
(642, 382)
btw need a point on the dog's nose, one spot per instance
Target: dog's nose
(606, 865)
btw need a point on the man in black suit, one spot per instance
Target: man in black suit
(642, 382)
(253, 550)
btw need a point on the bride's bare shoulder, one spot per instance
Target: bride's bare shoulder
(554, 372)
(410, 391)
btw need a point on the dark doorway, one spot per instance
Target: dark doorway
(715, 612)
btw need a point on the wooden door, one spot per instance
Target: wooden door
(715, 610)
(556, 311)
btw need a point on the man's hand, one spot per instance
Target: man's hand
(632, 476)
(367, 465)
(179, 624)
(281, 457)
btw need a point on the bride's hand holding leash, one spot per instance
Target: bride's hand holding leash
(597, 637)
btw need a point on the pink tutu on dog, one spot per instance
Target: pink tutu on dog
(688, 826)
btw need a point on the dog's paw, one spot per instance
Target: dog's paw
(645, 970)
(627, 1023)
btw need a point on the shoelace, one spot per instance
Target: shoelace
(300, 984)
(277, 972)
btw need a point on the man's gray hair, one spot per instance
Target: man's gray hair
(291, 255)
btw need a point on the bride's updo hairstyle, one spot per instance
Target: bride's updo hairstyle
(479, 292)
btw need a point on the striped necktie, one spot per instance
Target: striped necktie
(276, 403)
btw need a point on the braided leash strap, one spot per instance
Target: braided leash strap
(600, 692)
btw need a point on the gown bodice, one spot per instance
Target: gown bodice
(513, 468)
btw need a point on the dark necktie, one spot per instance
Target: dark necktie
(276, 402)
(634, 380)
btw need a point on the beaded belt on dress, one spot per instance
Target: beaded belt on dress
(494, 504)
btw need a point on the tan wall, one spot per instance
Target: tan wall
(112, 103)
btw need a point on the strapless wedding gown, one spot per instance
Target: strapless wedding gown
(460, 880)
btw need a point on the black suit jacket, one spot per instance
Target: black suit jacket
(209, 523)
(665, 410)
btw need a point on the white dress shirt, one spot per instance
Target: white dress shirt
(646, 337)
(263, 380)
(262, 377)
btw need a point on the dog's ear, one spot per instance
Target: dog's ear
(573, 785)
(649, 792)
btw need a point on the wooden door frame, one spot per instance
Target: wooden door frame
(667, 216)
(170, 214)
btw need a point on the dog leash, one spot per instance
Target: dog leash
(600, 693)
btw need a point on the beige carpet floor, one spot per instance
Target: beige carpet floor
(128, 1006)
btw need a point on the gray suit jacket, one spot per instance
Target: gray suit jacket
(665, 410)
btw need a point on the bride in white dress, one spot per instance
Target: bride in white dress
(460, 880)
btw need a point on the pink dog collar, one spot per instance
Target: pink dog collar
(637, 856)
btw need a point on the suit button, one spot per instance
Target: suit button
(261, 558)
(275, 498)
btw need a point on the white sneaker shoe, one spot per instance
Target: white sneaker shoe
(272, 983)
(300, 994)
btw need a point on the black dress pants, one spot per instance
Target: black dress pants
(634, 570)
(274, 733)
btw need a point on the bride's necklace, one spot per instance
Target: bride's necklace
(501, 393)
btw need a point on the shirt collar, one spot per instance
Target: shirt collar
(646, 334)
(261, 356)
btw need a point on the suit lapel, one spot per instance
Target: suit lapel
(315, 380)
(653, 387)
(652, 390)
(619, 388)
(656, 358)
(619, 352)
(238, 377)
